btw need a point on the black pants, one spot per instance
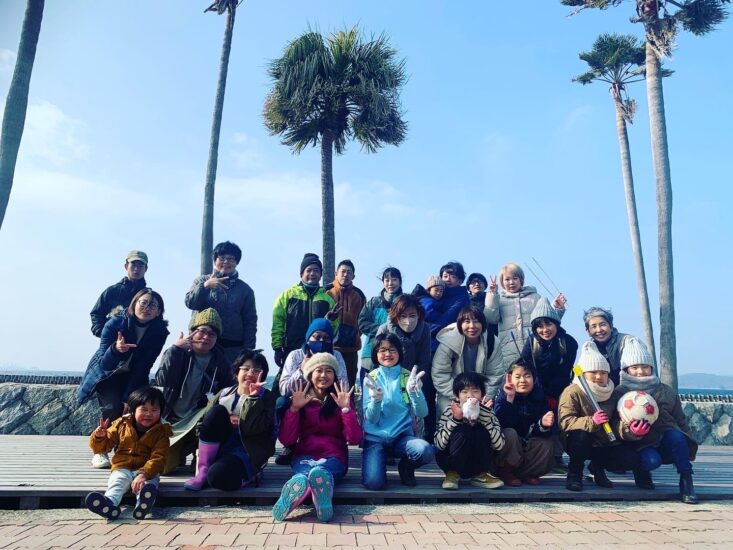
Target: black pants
(428, 390)
(228, 470)
(610, 457)
(109, 395)
(468, 452)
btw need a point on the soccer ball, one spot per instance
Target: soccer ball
(637, 405)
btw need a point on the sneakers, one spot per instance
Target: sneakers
(450, 483)
(145, 501)
(294, 492)
(485, 480)
(321, 485)
(102, 506)
(101, 461)
(407, 473)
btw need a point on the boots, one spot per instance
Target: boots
(510, 479)
(574, 481)
(643, 479)
(599, 476)
(206, 455)
(687, 490)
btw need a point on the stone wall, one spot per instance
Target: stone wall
(32, 408)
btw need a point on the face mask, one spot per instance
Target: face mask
(320, 347)
(407, 324)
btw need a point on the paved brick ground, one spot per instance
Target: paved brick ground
(445, 527)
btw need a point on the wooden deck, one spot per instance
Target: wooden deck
(55, 471)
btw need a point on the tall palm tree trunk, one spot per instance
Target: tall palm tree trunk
(16, 103)
(329, 232)
(207, 231)
(623, 141)
(663, 179)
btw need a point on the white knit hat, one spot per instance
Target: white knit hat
(591, 360)
(635, 353)
(544, 309)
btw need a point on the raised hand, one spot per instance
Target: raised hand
(456, 411)
(493, 287)
(548, 420)
(101, 431)
(333, 314)
(599, 418)
(559, 302)
(254, 387)
(217, 282)
(280, 357)
(375, 392)
(183, 342)
(300, 397)
(414, 384)
(343, 394)
(639, 427)
(121, 346)
(509, 388)
(487, 402)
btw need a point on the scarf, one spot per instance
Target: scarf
(602, 393)
(636, 383)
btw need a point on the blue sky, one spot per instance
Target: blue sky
(505, 159)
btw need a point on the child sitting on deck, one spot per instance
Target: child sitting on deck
(140, 442)
(669, 439)
(468, 435)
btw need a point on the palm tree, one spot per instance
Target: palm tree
(618, 61)
(662, 20)
(330, 91)
(207, 230)
(16, 103)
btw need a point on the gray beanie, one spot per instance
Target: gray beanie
(432, 281)
(635, 353)
(544, 309)
(591, 360)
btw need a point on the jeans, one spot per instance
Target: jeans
(119, 483)
(335, 467)
(415, 451)
(673, 449)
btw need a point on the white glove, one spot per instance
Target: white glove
(414, 384)
(375, 392)
(471, 409)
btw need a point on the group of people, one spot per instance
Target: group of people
(478, 378)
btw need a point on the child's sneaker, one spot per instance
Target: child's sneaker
(451, 481)
(321, 484)
(145, 501)
(101, 461)
(294, 492)
(406, 472)
(102, 506)
(487, 481)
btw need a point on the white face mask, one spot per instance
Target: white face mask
(408, 324)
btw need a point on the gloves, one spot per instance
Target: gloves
(471, 409)
(414, 384)
(639, 427)
(375, 392)
(600, 417)
(280, 357)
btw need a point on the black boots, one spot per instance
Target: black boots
(574, 481)
(687, 490)
(643, 479)
(599, 476)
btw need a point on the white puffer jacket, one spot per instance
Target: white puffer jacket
(448, 363)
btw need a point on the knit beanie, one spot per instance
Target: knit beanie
(479, 276)
(309, 259)
(209, 317)
(319, 324)
(320, 360)
(591, 359)
(544, 309)
(635, 353)
(432, 281)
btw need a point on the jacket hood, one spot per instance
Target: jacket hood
(454, 339)
(524, 291)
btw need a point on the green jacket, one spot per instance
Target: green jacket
(294, 311)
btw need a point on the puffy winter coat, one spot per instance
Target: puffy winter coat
(512, 311)
(552, 360)
(119, 294)
(415, 345)
(373, 315)
(448, 363)
(351, 300)
(235, 306)
(294, 311)
(575, 412)
(136, 362)
(524, 414)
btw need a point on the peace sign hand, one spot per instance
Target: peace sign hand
(493, 287)
(300, 397)
(414, 384)
(343, 394)
(509, 388)
(121, 346)
(101, 431)
(217, 282)
(254, 387)
(183, 342)
(333, 314)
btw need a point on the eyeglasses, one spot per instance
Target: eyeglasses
(525, 376)
(147, 304)
(391, 351)
(248, 370)
(205, 333)
(227, 259)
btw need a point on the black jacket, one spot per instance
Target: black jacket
(119, 294)
(552, 360)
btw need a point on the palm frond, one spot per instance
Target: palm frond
(701, 16)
